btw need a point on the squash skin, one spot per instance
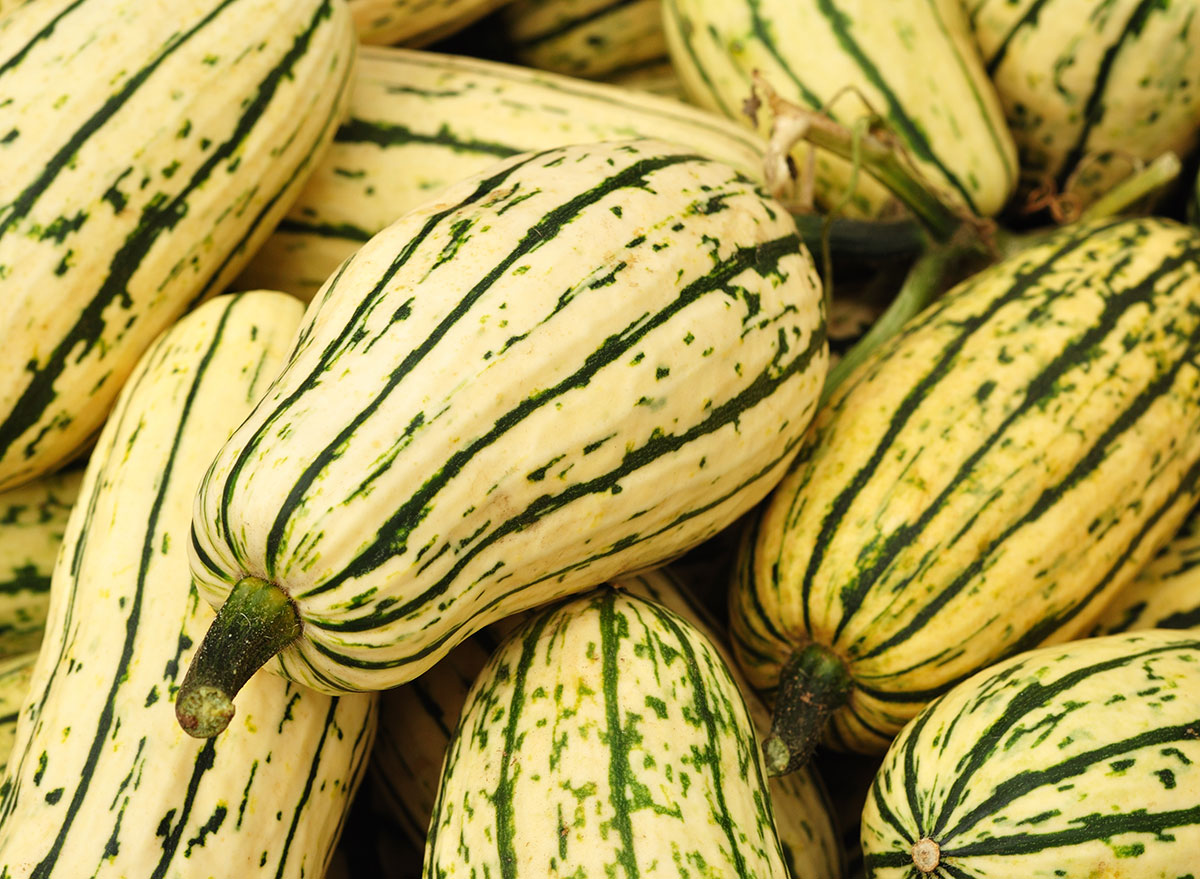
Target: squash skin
(101, 781)
(927, 500)
(178, 134)
(512, 456)
(1078, 759)
(1090, 90)
(613, 733)
(915, 65)
(417, 722)
(419, 122)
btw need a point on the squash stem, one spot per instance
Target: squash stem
(927, 278)
(879, 156)
(257, 620)
(861, 239)
(1126, 194)
(813, 684)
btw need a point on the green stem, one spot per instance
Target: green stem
(925, 281)
(813, 684)
(881, 158)
(861, 239)
(256, 621)
(1134, 188)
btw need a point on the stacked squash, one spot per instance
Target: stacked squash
(382, 369)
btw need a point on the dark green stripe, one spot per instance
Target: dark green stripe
(44, 34)
(150, 544)
(1032, 696)
(764, 256)
(1043, 387)
(620, 773)
(1031, 780)
(157, 217)
(390, 134)
(308, 782)
(567, 25)
(905, 126)
(393, 535)
(23, 203)
(853, 594)
(502, 798)
(345, 338)
(324, 230)
(1028, 19)
(170, 844)
(1093, 111)
(712, 751)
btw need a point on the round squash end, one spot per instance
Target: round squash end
(204, 711)
(926, 855)
(776, 755)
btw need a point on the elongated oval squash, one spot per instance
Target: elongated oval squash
(1081, 759)
(1092, 89)
(421, 121)
(486, 402)
(101, 781)
(604, 737)
(172, 140)
(33, 518)
(417, 723)
(911, 62)
(985, 482)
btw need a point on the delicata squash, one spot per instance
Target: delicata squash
(577, 363)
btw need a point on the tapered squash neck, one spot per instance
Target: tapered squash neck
(257, 620)
(813, 684)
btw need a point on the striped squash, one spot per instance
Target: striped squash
(604, 737)
(420, 122)
(984, 483)
(177, 135)
(594, 39)
(1090, 89)
(1165, 594)
(915, 66)
(33, 518)
(485, 402)
(417, 723)
(101, 782)
(656, 77)
(1079, 760)
(16, 672)
(415, 22)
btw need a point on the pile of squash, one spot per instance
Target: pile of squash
(569, 438)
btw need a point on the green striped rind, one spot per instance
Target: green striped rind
(589, 38)
(1090, 89)
(804, 819)
(415, 22)
(486, 401)
(915, 67)
(1165, 594)
(16, 672)
(140, 183)
(604, 737)
(421, 121)
(1079, 760)
(102, 782)
(418, 720)
(990, 478)
(32, 520)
